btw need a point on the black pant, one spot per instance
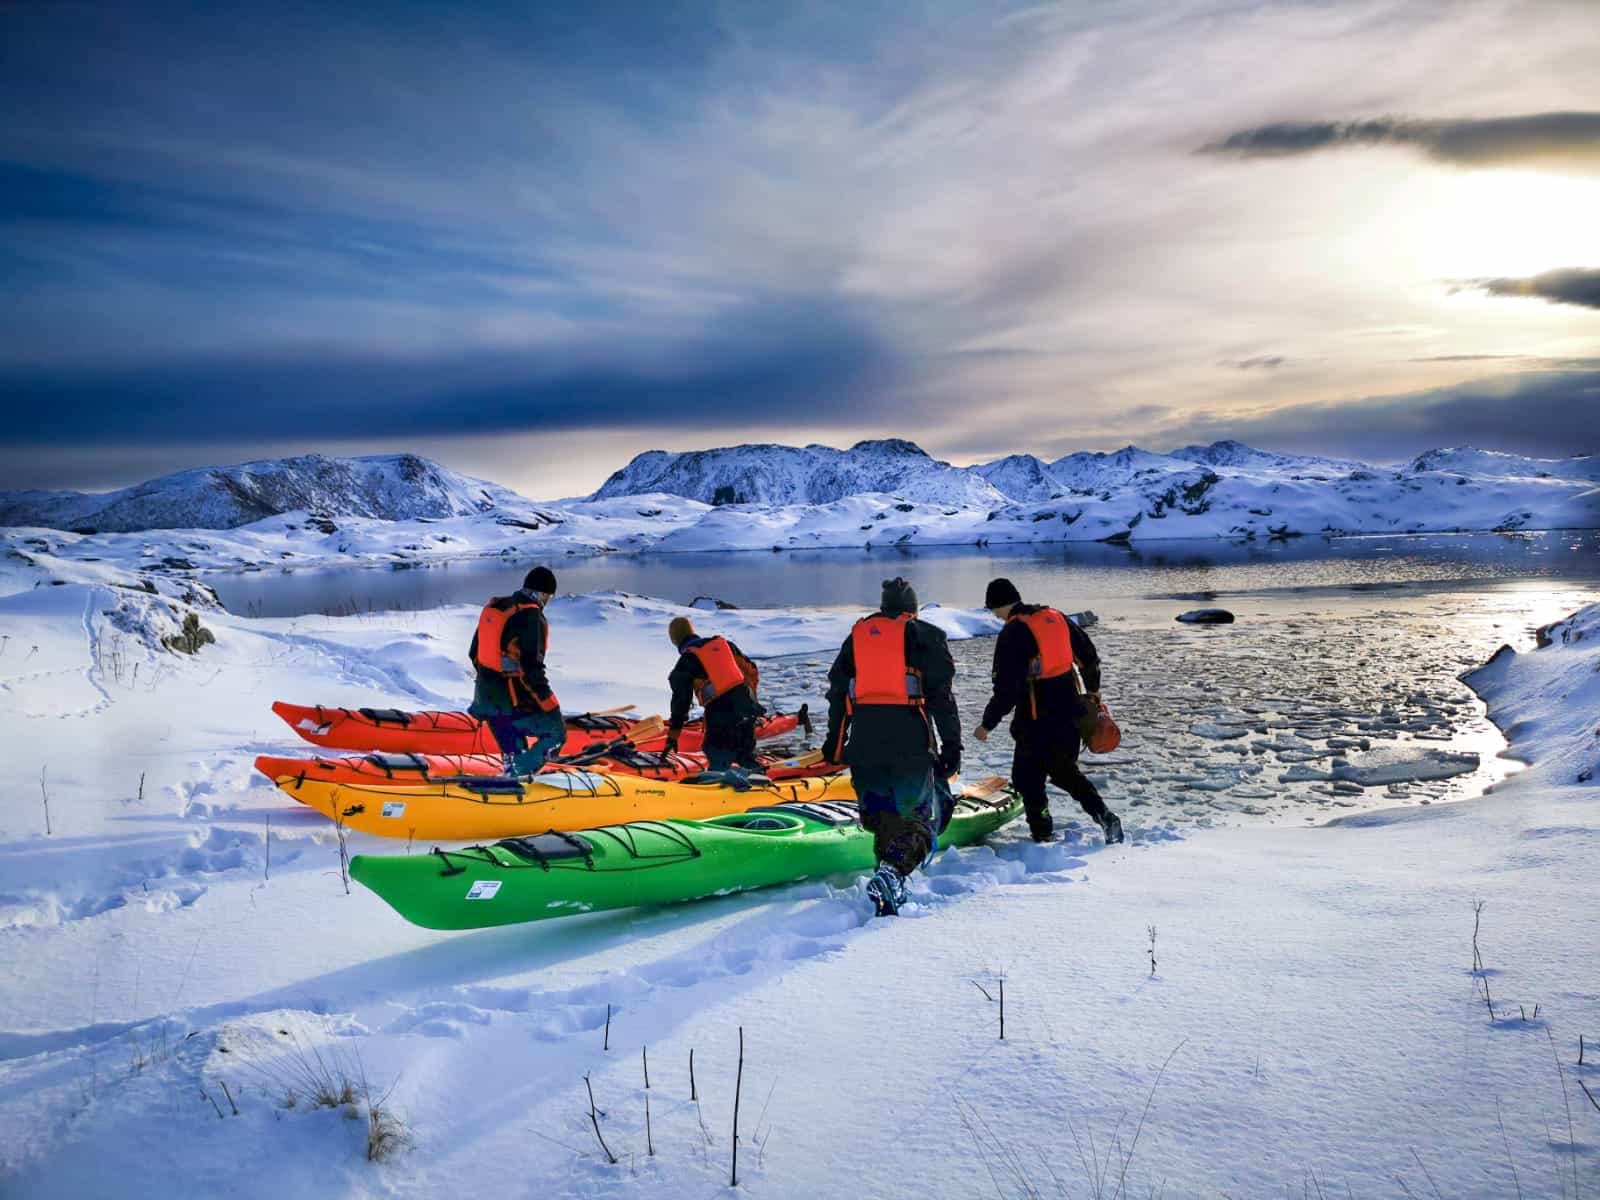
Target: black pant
(730, 742)
(1056, 759)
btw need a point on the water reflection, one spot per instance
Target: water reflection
(1074, 575)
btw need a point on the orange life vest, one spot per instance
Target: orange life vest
(878, 644)
(1053, 636)
(492, 628)
(721, 670)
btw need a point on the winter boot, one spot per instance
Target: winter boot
(1111, 825)
(887, 889)
(1041, 826)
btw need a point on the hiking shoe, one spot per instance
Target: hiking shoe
(887, 889)
(1111, 825)
(1042, 828)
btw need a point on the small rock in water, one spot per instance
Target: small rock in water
(710, 603)
(1206, 616)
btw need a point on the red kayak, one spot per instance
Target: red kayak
(408, 770)
(447, 733)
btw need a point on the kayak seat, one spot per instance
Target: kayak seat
(546, 848)
(766, 821)
(829, 812)
(386, 716)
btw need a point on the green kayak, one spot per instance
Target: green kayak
(645, 862)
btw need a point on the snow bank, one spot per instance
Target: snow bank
(1548, 701)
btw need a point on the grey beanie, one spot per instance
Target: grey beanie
(898, 597)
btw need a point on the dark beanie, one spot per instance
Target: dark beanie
(1001, 592)
(898, 597)
(540, 579)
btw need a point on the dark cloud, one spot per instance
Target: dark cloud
(1564, 140)
(1573, 285)
(1550, 414)
(1256, 362)
(762, 365)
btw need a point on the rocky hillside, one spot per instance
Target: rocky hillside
(394, 487)
(780, 475)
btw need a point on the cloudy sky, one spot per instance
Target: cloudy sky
(530, 240)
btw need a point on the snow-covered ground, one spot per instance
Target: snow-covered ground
(1312, 994)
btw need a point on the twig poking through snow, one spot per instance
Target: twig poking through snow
(606, 1045)
(738, 1085)
(694, 1094)
(1572, 1143)
(213, 1103)
(1152, 930)
(1506, 1142)
(1477, 918)
(645, 1053)
(1148, 1100)
(1426, 1174)
(229, 1095)
(46, 793)
(1589, 1094)
(594, 1119)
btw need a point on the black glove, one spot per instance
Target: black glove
(949, 761)
(672, 742)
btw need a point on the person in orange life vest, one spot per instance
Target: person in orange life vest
(714, 672)
(889, 694)
(511, 692)
(1034, 658)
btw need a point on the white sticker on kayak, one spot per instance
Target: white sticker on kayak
(483, 889)
(311, 726)
(394, 808)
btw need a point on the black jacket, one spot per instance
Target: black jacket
(1044, 707)
(494, 694)
(731, 707)
(892, 735)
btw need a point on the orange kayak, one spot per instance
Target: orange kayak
(377, 769)
(447, 733)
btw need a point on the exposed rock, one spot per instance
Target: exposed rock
(1206, 616)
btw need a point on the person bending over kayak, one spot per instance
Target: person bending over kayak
(714, 672)
(889, 692)
(511, 693)
(1034, 660)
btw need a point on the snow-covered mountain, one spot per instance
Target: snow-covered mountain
(771, 474)
(392, 487)
(1021, 477)
(1229, 453)
(1469, 460)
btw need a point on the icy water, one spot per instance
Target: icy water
(1077, 576)
(1304, 709)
